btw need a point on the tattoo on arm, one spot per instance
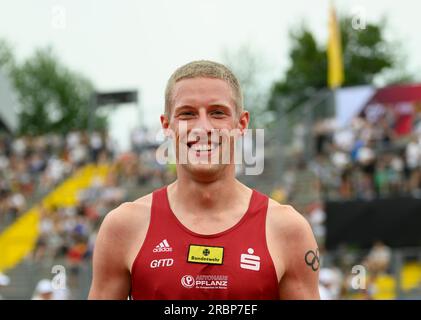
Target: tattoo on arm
(312, 259)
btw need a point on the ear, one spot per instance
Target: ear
(165, 123)
(243, 122)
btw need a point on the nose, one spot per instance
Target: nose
(203, 124)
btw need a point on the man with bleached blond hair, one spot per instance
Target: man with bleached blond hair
(206, 235)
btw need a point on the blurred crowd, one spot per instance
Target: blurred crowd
(30, 166)
(363, 161)
(367, 160)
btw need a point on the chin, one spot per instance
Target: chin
(205, 171)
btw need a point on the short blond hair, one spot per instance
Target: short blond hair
(204, 69)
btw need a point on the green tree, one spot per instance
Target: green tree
(6, 56)
(53, 98)
(366, 56)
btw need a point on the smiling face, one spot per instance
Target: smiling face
(202, 117)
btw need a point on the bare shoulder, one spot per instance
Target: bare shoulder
(286, 221)
(297, 253)
(115, 247)
(128, 218)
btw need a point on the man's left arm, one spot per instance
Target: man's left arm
(301, 277)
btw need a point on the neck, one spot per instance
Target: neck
(207, 196)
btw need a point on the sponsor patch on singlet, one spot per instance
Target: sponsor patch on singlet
(205, 254)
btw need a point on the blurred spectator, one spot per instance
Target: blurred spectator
(330, 284)
(49, 290)
(4, 282)
(381, 178)
(413, 160)
(43, 291)
(379, 258)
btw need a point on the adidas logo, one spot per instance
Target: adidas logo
(164, 246)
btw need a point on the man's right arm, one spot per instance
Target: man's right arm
(111, 275)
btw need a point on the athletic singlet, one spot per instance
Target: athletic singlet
(176, 263)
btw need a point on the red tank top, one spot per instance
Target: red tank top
(176, 263)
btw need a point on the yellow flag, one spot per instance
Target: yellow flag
(334, 53)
